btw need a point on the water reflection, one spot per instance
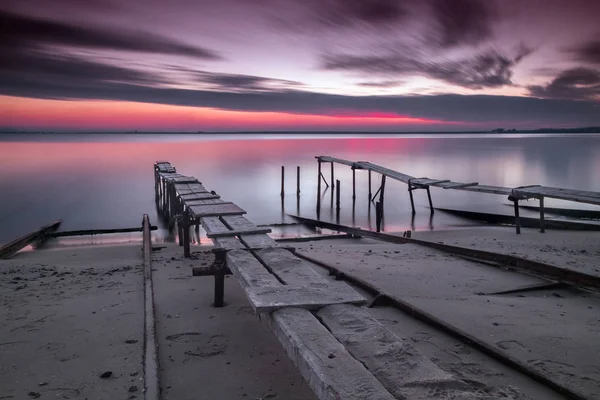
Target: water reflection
(94, 182)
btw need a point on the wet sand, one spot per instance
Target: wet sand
(70, 315)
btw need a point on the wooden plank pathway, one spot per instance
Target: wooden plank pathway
(340, 350)
(516, 194)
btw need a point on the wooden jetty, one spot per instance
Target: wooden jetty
(514, 194)
(319, 322)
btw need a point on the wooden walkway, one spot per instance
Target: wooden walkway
(514, 194)
(341, 351)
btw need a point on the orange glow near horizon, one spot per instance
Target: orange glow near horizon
(28, 113)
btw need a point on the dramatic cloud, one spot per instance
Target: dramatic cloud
(240, 82)
(588, 52)
(489, 69)
(461, 22)
(23, 31)
(576, 83)
(467, 109)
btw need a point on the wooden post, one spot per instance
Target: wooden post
(353, 184)
(282, 180)
(332, 181)
(517, 219)
(412, 201)
(369, 184)
(542, 227)
(378, 215)
(180, 231)
(430, 202)
(197, 229)
(382, 192)
(319, 183)
(219, 274)
(186, 232)
(298, 180)
(337, 195)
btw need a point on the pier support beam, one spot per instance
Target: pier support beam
(332, 181)
(185, 225)
(219, 268)
(542, 227)
(382, 192)
(430, 202)
(369, 184)
(337, 196)
(298, 180)
(412, 200)
(353, 184)
(517, 219)
(282, 181)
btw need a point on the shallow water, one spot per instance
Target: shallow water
(106, 180)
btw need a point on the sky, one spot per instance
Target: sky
(285, 65)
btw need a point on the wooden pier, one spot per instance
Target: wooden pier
(514, 194)
(320, 322)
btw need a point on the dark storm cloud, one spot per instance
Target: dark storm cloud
(240, 82)
(459, 22)
(485, 70)
(588, 52)
(25, 31)
(477, 109)
(29, 65)
(576, 83)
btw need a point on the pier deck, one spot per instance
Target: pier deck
(318, 321)
(516, 194)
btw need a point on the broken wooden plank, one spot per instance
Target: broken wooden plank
(238, 232)
(85, 232)
(198, 196)
(289, 268)
(316, 296)
(400, 367)
(238, 222)
(214, 224)
(328, 368)
(212, 210)
(459, 185)
(249, 271)
(11, 248)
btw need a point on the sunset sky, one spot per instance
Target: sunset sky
(251, 65)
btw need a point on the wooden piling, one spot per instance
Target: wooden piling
(186, 232)
(337, 195)
(431, 210)
(332, 181)
(542, 227)
(517, 220)
(298, 180)
(282, 181)
(369, 184)
(353, 184)
(412, 200)
(381, 193)
(378, 215)
(318, 182)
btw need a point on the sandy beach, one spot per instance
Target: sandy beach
(73, 319)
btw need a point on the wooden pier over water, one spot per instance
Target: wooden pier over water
(516, 194)
(341, 350)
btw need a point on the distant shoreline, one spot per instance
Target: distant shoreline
(594, 129)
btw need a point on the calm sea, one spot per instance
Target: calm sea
(106, 181)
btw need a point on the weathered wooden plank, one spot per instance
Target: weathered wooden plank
(11, 248)
(249, 271)
(459, 185)
(401, 368)
(313, 297)
(289, 268)
(239, 232)
(237, 222)
(198, 196)
(182, 179)
(212, 210)
(214, 224)
(190, 203)
(329, 369)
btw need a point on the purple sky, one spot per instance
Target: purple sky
(476, 63)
